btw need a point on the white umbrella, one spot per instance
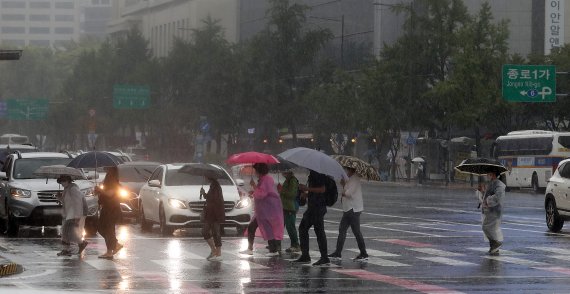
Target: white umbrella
(418, 159)
(55, 171)
(314, 160)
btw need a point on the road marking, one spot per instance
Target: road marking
(103, 264)
(559, 251)
(384, 262)
(25, 277)
(518, 261)
(404, 242)
(174, 264)
(560, 270)
(447, 261)
(561, 257)
(436, 252)
(403, 283)
(244, 264)
(373, 252)
(486, 249)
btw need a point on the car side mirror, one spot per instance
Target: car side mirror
(240, 182)
(154, 183)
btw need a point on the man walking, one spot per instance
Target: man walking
(288, 194)
(314, 216)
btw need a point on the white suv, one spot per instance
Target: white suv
(172, 199)
(28, 200)
(557, 197)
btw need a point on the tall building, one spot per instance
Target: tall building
(162, 21)
(95, 14)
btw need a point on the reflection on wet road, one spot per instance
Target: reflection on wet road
(422, 240)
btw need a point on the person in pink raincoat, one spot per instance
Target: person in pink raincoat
(268, 215)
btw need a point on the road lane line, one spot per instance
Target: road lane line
(404, 242)
(25, 277)
(447, 261)
(560, 270)
(518, 261)
(170, 264)
(559, 251)
(437, 252)
(103, 264)
(486, 249)
(384, 262)
(403, 283)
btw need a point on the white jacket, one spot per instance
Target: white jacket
(352, 195)
(72, 202)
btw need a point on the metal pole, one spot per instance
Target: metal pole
(342, 42)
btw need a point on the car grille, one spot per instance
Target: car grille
(48, 196)
(198, 206)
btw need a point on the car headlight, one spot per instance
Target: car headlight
(175, 203)
(124, 193)
(89, 192)
(20, 193)
(243, 202)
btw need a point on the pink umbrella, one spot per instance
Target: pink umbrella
(252, 157)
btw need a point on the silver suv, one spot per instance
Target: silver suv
(28, 200)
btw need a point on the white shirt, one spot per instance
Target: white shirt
(352, 195)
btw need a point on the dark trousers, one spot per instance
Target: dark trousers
(274, 245)
(350, 219)
(314, 219)
(212, 230)
(290, 218)
(107, 221)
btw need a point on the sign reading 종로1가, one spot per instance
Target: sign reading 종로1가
(529, 83)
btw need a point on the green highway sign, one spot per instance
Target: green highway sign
(529, 83)
(27, 109)
(131, 96)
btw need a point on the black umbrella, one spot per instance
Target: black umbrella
(282, 166)
(204, 170)
(480, 166)
(95, 159)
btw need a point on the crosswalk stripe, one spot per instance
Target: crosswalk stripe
(560, 251)
(104, 264)
(486, 249)
(561, 257)
(174, 263)
(518, 261)
(373, 252)
(447, 261)
(384, 262)
(436, 252)
(244, 264)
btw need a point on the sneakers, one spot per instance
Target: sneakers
(64, 253)
(82, 247)
(322, 262)
(361, 257)
(216, 258)
(274, 253)
(495, 245)
(335, 255)
(293, 249)
(247, 252)
(210, 256)
(303, 259)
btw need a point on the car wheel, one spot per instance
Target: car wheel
(534, 184)
(553, 220)
(145, 225)
(240, 230)
(165, 230)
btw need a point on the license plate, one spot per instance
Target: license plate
(52, 211)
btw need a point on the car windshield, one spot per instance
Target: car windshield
(24, 168)
(176, 178)
(135, 173)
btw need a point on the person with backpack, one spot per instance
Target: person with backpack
(352, 207)
(314, 192)
(288, 194)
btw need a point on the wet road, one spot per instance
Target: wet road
(420, 239)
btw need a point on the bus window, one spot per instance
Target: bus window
(564, 141)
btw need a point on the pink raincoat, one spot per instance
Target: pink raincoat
(268, 209)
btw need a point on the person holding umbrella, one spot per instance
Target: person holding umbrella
(110, 211)
(214, 215)
(492, 209)
(73, 213)
(352, 207)
(268, 211)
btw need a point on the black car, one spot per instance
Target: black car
(132, 176)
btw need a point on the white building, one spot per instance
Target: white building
(161, 21)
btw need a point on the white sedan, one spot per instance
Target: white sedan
(556, 200)
(171, 199)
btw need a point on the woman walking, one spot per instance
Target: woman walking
(492, 209)
(73, 213)
(110, 212)
(268, 212)
(214, 215)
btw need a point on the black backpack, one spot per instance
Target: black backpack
(331, 192)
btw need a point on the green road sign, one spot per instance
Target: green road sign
(529, 83)
(27, 109)
(131, 96)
